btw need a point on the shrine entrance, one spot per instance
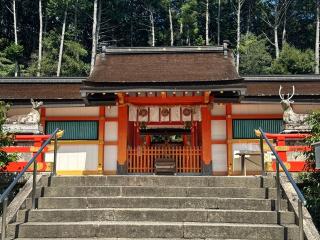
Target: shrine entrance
(177, 138)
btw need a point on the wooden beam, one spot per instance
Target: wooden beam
(257, 116)
(169, 100)
(229, 138)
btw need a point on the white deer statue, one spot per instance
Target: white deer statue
(33, 117)
(291, 119)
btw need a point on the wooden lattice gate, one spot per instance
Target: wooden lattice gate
(142, 159)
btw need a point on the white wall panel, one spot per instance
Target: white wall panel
(175, 114)
(218, 110)
(154, 114)
(73, 111)
(218, 130)
(18, 111)
(219, 157)
(112, 111)
(76, 157)
(302, 108)
(110, 157)
(256, 108)
(111, 131)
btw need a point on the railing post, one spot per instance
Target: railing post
(301, 233)
(262, 156)
(278, 205)
(55, 150)
(34, 184)
(4, 218)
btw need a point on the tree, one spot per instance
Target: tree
(239, 6)
(310, 180)
(16, 72)
(40, 39)
(207, 22)
(7, 67)
(94, 34)
(189, 21)
(254, 55)
(73, 58)
(168, 5)
(293, 61)
(273, 16)
(5, 139)
(317, 42)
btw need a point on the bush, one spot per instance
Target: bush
(5, 139)
(310, 181)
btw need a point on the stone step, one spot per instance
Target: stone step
(127, 229)
(154, 214)
(100, 191)
(164, 181)
(124, 239)
(157, 202)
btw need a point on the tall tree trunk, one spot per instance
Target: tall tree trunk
(98, 23)
(249, 18)
(276, 41)
(76, 19)
(171, 27)
(62, 42)
(40, 39)
(284, 31)
(317, 39)
(218, 22)
(207, 22)
(15, 34)
(275, 30)
(238, 34)
(153, 39)
(94, 34)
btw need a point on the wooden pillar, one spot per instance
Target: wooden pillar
(281, 141)
(229, 139)
(148, 140)
(43, 124)
(206, 140)
(102, 120)
(122, 139)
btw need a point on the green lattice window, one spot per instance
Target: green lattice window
(75, 130)
(244, 128)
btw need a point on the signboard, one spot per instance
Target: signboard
(317, 154)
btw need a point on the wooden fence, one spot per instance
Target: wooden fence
(141, 159)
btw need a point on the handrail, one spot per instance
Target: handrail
(4, 195)
(302, 200)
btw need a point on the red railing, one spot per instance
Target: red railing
(142, 159)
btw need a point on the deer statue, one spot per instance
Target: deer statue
(289, 116)
(33, 117)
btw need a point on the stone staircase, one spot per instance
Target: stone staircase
(155, 207)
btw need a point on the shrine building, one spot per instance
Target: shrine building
(140, 104)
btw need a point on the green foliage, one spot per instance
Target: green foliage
(293, 61)
(5, 139)
(189, 20)
(14, 52)
(254, 55)
(311, 180)
(73, 60)
(6, 65)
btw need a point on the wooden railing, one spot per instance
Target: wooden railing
(141, 159)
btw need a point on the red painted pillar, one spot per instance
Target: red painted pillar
(122, 139)
(206, 140)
